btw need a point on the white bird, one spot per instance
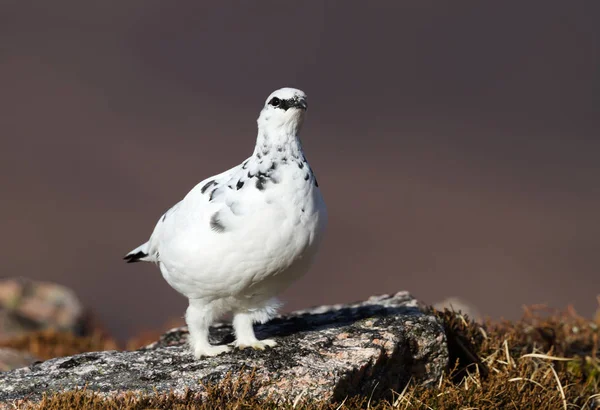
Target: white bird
(239, 238)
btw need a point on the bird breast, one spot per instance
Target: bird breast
(268, 244)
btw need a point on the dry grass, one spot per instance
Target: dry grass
(47, 344)
(50, 343)
(547, 360)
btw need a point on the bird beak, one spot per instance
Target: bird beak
(301, 103)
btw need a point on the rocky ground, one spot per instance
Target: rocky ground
(324, 354)
(386, 352)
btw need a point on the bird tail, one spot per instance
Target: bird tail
(138, 254)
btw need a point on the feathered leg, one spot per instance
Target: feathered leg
(243, 325)
(199, 317)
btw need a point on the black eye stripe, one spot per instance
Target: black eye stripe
(283, 104)
(296, 102)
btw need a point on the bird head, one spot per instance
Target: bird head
(284, 110)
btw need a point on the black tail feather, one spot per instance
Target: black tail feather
(135, 257)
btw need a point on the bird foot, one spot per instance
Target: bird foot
(210, 351)
(256, 344)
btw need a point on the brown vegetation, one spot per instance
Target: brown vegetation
(47, 344)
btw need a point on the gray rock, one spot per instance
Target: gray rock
(28, 306)
(325, 353)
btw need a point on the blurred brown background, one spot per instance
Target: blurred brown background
(456, 144)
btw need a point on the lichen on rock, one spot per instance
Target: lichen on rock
(325, 353)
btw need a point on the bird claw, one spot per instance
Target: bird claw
(210, 351)
(257, 345)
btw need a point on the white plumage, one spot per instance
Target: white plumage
(241, 237)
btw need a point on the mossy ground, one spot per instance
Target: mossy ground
(546, 360)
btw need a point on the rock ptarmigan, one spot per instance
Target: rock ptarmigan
(239, 238)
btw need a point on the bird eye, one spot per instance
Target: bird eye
(275, 101)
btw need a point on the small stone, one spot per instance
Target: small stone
(459, 305)
(29, 306)
(13, 359)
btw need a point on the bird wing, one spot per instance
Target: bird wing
(212, 195)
